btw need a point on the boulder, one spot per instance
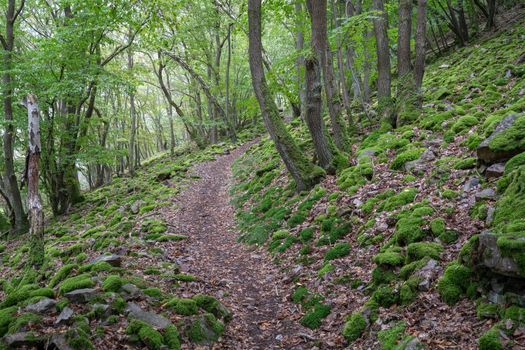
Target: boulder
(131, 291)
(65, 316)
(150, 318)
(113, 259)
(59, 342)
(486, 194)
(23, 340)
(428, 274)
(43, 306)
(471, 183)
(206, 327)
(488, 155)
(135, 207)
(81, 295)
(487, 255)
(495, 170)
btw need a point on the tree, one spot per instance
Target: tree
(8, 182)
(318, 17)
(302, 171)
(383, 63)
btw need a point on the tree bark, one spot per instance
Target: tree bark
(419, 64)
(34, 203)
(304, 173)
(299, 62)
(318, 16)
(383, 62)
(133, 117)
(19, 221)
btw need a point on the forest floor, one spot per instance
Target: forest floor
(245, 280)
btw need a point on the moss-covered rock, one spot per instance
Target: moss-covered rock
(354, 327)
(338, 251)
(76, 282)
(406, 156)
(391, 257)
(454, 282)
(183, 306)
(419, 250)
(113, 283)
(314, 316)
(204, 329)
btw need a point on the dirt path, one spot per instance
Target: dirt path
(245, 280)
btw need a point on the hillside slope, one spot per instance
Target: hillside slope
(372, 253)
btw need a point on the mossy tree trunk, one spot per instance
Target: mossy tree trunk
(305, 174)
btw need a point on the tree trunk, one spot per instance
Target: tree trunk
(133, 117)
(18, 216)
(406, 86)
(34, 203)
(317, 10)
(305, 174)
(419, 64)
(383, 63)
(299, 62)
(313, 117)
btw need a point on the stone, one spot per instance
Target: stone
(486, 194)
(496, 298)
(150, 318)
(471, 183)
(81, 295)
(428, 155)
(23, 340)
(101, 310)
(414, 166)
(59, 342)
(204, 327)
(368, 152)
(488, 155)
(135, 207)
(357, 202)
(113, 259)
(495, 170)
(131, 291)
(65, 316)
(428, 274)
(488, 255)
(42, 306)
(490, 215)
(413, 344)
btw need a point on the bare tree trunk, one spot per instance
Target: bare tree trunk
(419, 64)
(133, 116)
(227, 78)
(317, 10)
(299, 62)
(300, 168)
(19, 219)
(406, 86)
(383, 63)
(34, 203)
(313, 117)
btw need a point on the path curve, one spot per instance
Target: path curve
(244, 279)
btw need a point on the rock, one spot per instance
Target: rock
(65, 316)
(471, 183)
(81, 295)
(495, 170)
(412, 344)
(113, 259)
(150, 318)
(135, 207)
(488, 155)
(488, 255)
(496, 298)
(42, 306)
(487, 193)
(428, 274)
(23, 340)
(101, 310)
(205, 327)
(368, 153)
(131, 291)
(59, 342)
(357, 202)
(428, 155)
(490, 215)
(414, 166)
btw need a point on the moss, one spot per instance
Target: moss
(516, 314)
(382, 275)
(410, 268)
(391, 257)
(18, 295)
(454, 283)
(422, 211)
(449, 236)
(354, 327)
(297, 219)
(112, 283)
(183, 306)
(417, 251)
(388, 338)
(511, 206)
(184, 277)
(149, 336)
(488, 311)
(300, 295)
(313, 318)
(408, 230)
(172, 337)
(467, 163)
(307, 234)
(77, 282)
(449, 194)
(281, 234)
(491, 340)
(153, 292)
(198, 334)
(338, 251)
(78, 338)
(464, 123)
(473, 141)
(385, 296)
(404, 197)
(62, 273)
(514, 163)
(22, 321)
(6, 316)
(168, 238)
(213, 306)
(512, 138)
(406, 156)
(408, 291)
(325, 269)
(437, 226)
